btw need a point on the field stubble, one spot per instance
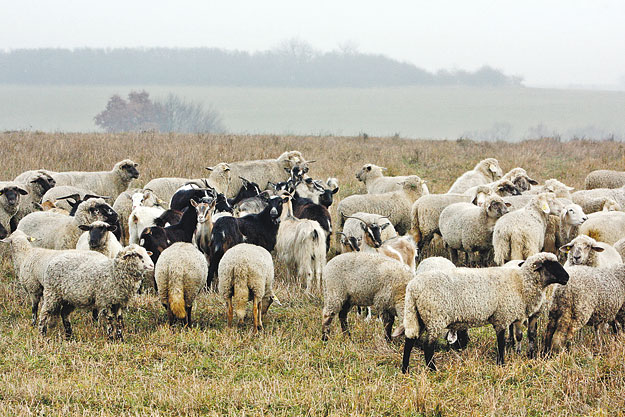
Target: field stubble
(286, 370)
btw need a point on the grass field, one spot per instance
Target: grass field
(509, 113)
(286, 370)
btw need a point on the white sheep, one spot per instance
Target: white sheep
(584, 250)
(376, 183)
(37, 185)
(246, 273)
(395, 205)
(605, 226)
(140, 218)
(594, 200)
(484, 172)
(98, 237)
(10, 196)
(130, 199)
(604, 178)
(180, 274)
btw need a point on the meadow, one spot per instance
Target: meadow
(287, 370)
(504, 113)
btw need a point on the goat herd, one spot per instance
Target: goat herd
(182, 235)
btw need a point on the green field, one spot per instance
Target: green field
(411, 112)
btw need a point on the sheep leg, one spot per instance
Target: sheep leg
(259, 303)
(171, 318)
(66, 309)
(120, 323)
(325, 325)
(230, 312)
(343, 318)
(532, 331)
(388, 320)
(453, 255)
(109, 323)
(501, 345)
(549, 332)
(48, 309)
(34, 307)
(408, 345)
(94, 315)
(255, 314)
(428, 353)
(188, 318)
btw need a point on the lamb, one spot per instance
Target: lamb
(375, 181)
(485, 171)
(462, 298)
(378, 228)
(246, 273)
(264, 171)
(10, 193)
(584, 250)
(520, 234)
(110, 183)
(594, 296)
(300, 244)
(594, 200)
(37, 185)
(468, 228)
(604, 178)
(180, 274)
(90, 280)
(97, 237)
(607, 227)
(58, 231)
(395, 205)
(364, 279)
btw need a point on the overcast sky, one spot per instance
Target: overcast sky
(549, 43)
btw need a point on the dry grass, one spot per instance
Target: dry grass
(213, 370)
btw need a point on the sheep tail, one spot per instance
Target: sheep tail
(176, 299)
(412, 327)
(241, 294)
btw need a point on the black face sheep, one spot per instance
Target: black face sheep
(180, 274)
(63, 196)
(10, 193)
(246, 273)
(98, 237)
(584, 250)
(364, 279)
(37, 185)
(90, 280)
(519, 177)
(462, 298)
(485, 171)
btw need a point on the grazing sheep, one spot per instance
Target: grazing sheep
(110, 183)
(264, 171)
(520, 234)
(584, 250)
(468, 228)
(26, 175)
(58, 231)
(604, 178)
(219, 178)
(90, 280)
(485, 171)
(97, 237)
(180, 274)
(375, 181)
(364, 279)
(396, 205)
(462, 298)
(10, 193)
(607, 227)
(594, 200)
(377, 227)
(594, 296)
(246, 273)
(37, 185)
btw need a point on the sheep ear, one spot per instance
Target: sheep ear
(336, 190)
(21, 190)
(565, 248)
(598, 248)
(84, 227)
(545, 207)
(209, 168)
(492, 168)
(32, 239)
(531, 181)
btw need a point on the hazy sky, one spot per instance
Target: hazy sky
(548, 42)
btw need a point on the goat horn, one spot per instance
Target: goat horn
(72, 196)
(351, 217)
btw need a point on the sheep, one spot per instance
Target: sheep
(10, 193)
(485, 171)
(110, 183)
(300, 244)
(434, 263)
(166, 187)
(594, 296)
(594, 200)
(57, 231)
(27, 175)
(60, 195)
(604, 178)
(468, 228)
(395, 205)
(607, 227)
(180, 274)
(140, 218)
(552, 185)
(584, 250)
(37, 185)
(363, 279)
(246, 273)
(375, 181)
(571, 218)
(130, 199)
(90, 280)
(519, 177)
(462, 298)
(379, 228)
(520, 234)
(502, 187)
(97, 237)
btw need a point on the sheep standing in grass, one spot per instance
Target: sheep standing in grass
(37, 185)
(607, 227)
(109, 183)
(468, 228)
(594, 200)
(604, 178)
(246, 273)
(180, 274)
(462, 298)
(521, 233)
(584, 250)
(485, 171)
(519, 177)
(98, 237)
(90, 280)
(375, 181)
(10, 195)
(396, 205)
(364, 279)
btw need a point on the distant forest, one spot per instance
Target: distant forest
(294, 64)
